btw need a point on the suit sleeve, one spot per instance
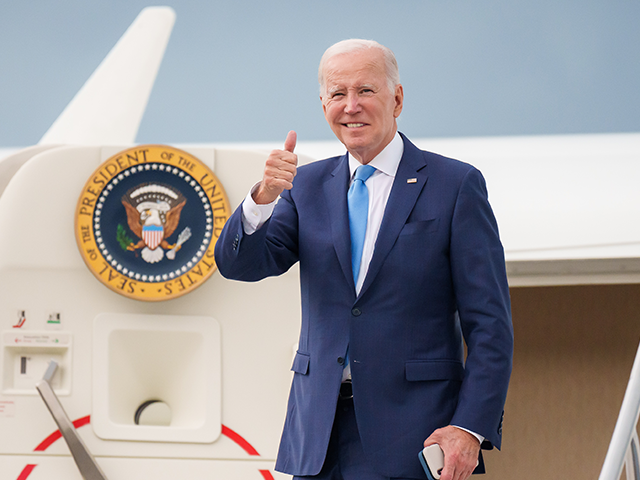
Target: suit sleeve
(270, 251)
(484, 309)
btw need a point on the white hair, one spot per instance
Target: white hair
(355, 44)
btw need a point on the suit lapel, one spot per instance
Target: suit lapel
(411, 178)
(335, 190)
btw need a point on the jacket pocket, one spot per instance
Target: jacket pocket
(301, 363)
(422, 226)
(426, 370)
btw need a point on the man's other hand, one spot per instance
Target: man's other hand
(279, 170)
(461, 450)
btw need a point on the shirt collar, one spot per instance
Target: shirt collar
(386, 161)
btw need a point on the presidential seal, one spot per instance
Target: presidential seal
(147, 222)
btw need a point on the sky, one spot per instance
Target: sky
(246, 70)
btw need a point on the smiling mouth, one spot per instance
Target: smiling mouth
(354, 125)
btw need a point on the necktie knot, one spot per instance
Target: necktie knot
(363, 172)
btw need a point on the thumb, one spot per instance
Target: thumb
(290, 142)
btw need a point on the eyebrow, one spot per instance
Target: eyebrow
(366, 85)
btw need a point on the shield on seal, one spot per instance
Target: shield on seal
(152, 235)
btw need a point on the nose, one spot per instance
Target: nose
(352, 104)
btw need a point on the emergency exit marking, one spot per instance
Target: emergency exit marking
(80, 422)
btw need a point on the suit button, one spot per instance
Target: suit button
(341, 360)
(356, 312)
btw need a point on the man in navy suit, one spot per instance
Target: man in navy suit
(380, 370)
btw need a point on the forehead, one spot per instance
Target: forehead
(354, 68)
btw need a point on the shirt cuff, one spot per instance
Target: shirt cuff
(254, 215)
(479, 437)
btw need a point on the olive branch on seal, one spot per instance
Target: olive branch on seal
(123, 239)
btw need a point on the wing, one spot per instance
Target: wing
(133, 219)
(173, 218)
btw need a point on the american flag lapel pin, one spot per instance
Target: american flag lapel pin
(412, 180)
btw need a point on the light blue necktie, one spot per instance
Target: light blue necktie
(358, 201)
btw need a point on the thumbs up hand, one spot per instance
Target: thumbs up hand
(279, 170)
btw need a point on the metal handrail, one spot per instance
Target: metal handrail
(87, 465)
(631, 462)
(624, 446)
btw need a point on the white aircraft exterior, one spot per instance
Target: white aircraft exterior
(218, 358)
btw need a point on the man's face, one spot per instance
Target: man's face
(357, 102)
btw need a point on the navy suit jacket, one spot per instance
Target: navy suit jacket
(437, 275)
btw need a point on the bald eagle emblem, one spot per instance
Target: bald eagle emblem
(153, 214)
